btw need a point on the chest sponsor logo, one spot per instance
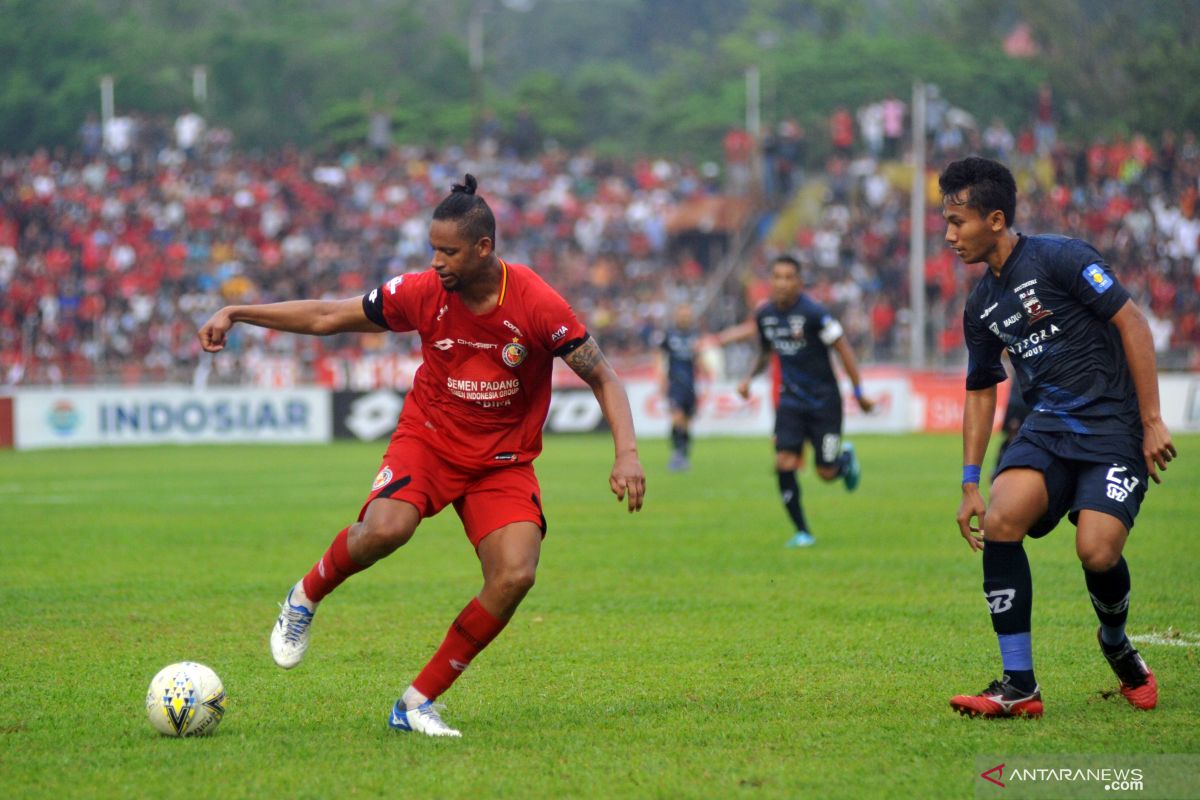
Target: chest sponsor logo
(489, 394)
(1034, 343)
(1034, 310)
(444, 344)
(441, 313)
(1096, 278)
(513, 328)
(514, 353)
(477, 345)
(988, 310)
(1012, 320)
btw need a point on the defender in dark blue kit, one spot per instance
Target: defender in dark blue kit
(1092, 438)
(801, 334)
(678, 374)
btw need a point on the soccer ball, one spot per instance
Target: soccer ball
(185, 699)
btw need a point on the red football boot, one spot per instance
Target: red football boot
(1137, 681)
(999, 700)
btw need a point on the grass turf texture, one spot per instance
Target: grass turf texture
(682, 652)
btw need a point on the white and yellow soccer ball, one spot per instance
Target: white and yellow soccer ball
(185, 699)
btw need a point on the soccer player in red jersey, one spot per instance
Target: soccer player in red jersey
(467, 436)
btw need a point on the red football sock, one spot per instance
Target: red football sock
(471, 632)
(333, 568)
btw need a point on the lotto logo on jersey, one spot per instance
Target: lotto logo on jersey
(1096, 278)
(514, 353)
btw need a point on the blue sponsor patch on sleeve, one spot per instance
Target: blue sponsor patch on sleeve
(1096, 278)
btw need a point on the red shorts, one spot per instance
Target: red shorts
(486, 500)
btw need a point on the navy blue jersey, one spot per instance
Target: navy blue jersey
(1051, 308)
(801, 336)
(680, 348)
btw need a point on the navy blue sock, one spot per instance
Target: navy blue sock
(1109, 591)
(679, 439)
(789, 490)
(1008, 587)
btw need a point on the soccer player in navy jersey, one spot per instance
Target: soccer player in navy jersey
(467, 436)
(678, 372)
(1092, 438)
(802, 334)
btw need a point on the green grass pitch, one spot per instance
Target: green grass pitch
(682, 652)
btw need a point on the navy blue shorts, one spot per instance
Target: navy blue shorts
(682, 398)
(1100, 473)
(823, 429)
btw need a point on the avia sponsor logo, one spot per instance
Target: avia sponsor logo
(559, 334)
(514, 353)
(988, 310)
(513, 328)
(1034, 343)
(63, 417)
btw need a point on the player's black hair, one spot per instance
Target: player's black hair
(787, 260)
(989, 186)
(471, 212)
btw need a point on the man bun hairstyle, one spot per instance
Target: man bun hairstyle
(989, 186)
(471, 212)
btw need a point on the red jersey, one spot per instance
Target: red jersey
(481, 395)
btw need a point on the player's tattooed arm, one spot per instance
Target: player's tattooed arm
(585, 360)
(627, 480)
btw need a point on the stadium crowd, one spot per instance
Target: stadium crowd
(111, 254)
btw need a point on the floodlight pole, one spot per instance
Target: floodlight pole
(916, 250)
(106, 99)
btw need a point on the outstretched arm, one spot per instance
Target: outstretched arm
(850, 364)
(1157, 447)
(742, 332)
(627, 480)
(314, 317)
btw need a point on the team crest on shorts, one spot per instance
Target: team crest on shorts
(514, 353)
(382, 479)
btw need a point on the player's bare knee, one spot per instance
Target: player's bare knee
(376, 538)
(1000, 526)
(1098, 557)
(513, 582)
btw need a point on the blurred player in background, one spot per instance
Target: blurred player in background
(677, 373)
(1092, 438)
(467, 436)
(802, 334)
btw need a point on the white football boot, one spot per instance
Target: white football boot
(422, 719)
(289, 637)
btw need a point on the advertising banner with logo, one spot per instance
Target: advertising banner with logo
(89, 417)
